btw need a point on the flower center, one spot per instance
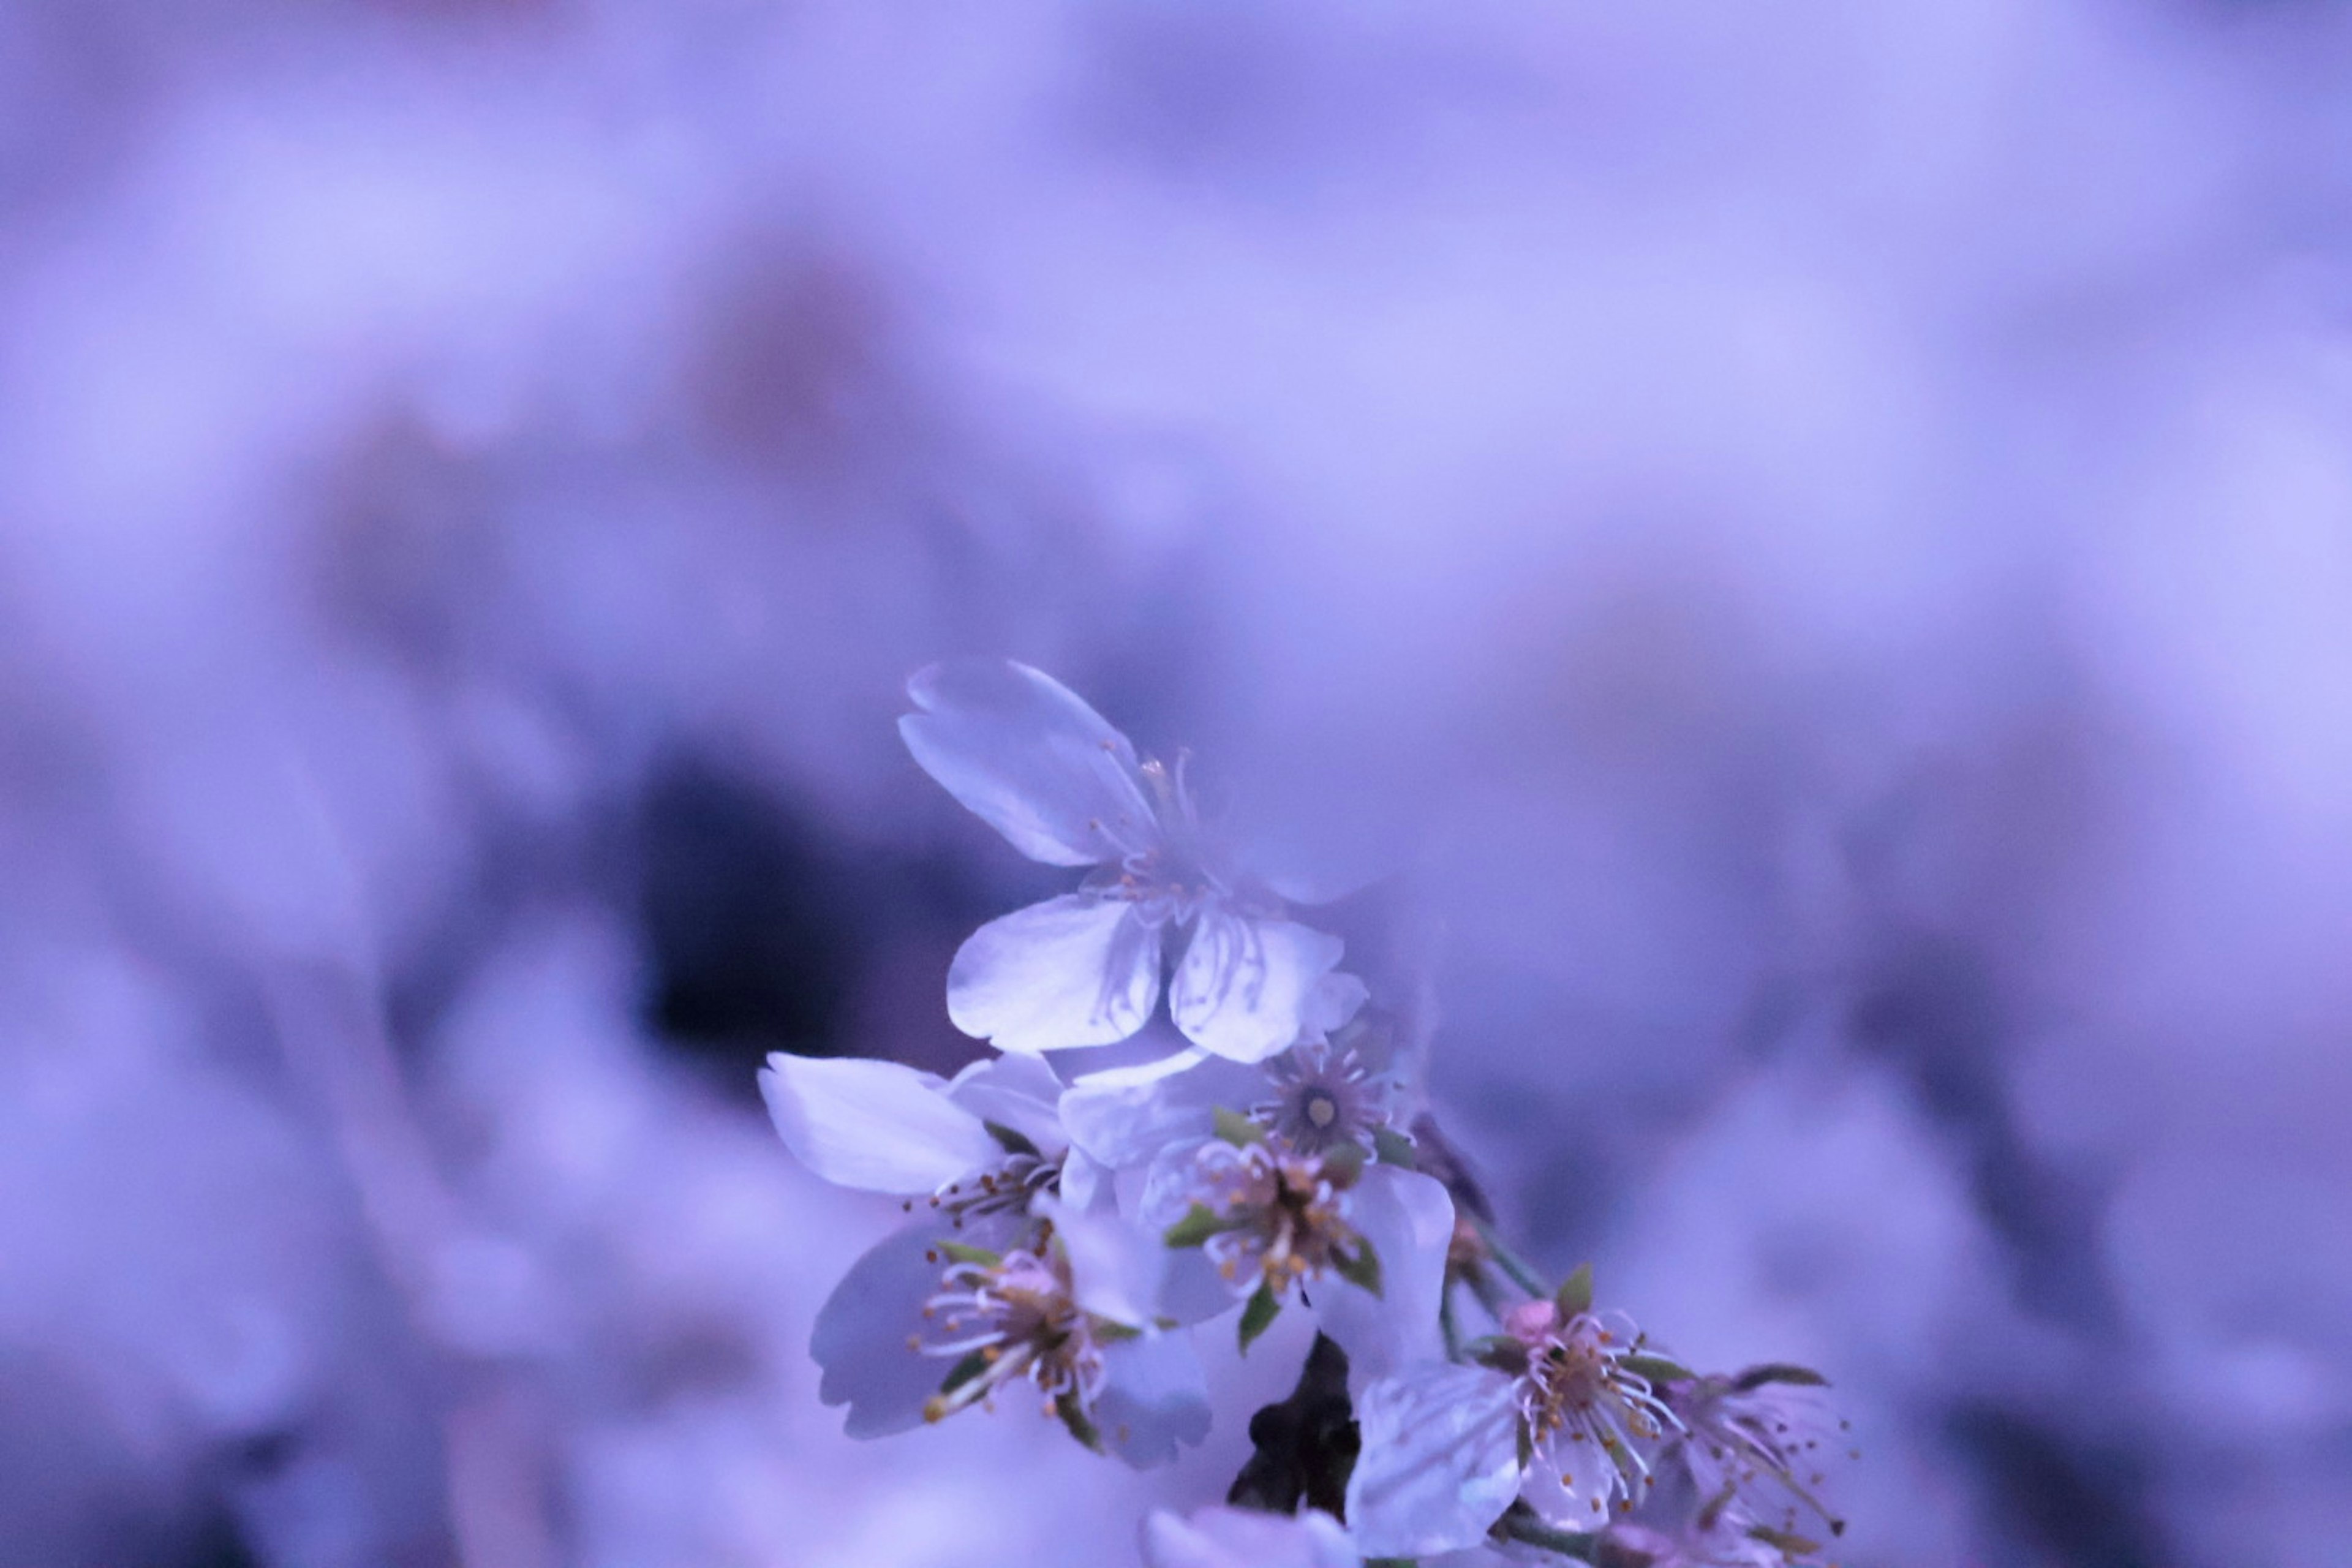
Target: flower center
(1009, 1321)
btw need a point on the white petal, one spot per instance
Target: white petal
(1115, 1269)
(1243, 987)
(1073, 971)
(1409, 1220)
(1027, 757)
(1154, 1399)
(1335, 998)
(1124, 1116)
(1440, 1462)
(861, 1335)
(1570, 1481)
(1015, 1093)
(1086, 1186)
(878, 1126)
(1245, 1538)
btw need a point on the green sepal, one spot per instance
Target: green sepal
(1236, 1129)
(1527, 1446)
(1361, 1267)
(1392, 1563)
(1074, 1416)
(957, 1252)
(1498, 1353)
(1575, 1294)
(1011, 1143)
(1658, 1369)
(1391, 1147)
(1197, 1225)
(1258, 1315)
(1343, 1166)
(1780, 1541)
(1111, 1332)
(1756, 1377)
(964, 1372)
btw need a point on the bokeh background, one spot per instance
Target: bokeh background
(1818, 537)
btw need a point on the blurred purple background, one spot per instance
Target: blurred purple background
(1823, 532)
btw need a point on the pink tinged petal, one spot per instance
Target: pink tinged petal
(1245, 986)
(861, 1336)
(877, 1126)
(1409, 1220)
(1124, 1116)
(1023, 754)
(1440, 1462)
(1079, 970)
(1154, 1399)
(1018, 1093)
(1245, 1538)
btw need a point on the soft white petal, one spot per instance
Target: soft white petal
(1154, 1399)
(1078, 970)
(1335, 998)
(1244, 988)
(1016, 1092)
(1569, 1482)
(1027, 757)
(861, 1334)
(1409, 1220)
(1086, 1185)
(1115, 1269)
(1245, 1538)
(1124, 1116)
(880, 1127)
(1440, 1462)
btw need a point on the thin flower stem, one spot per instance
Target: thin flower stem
(1446, 1324)
(1525, 1278)
(1482, 1285)
(1531, 1531)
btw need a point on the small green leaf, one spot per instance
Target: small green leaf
(1361, 1267)
(1658, 1369)
(1527, 1446)
(1238, 1130)
(1197, 1225)
(1110, 1333)
(1576, 1293)
(1393, 1148)
(1011, 1143)
(1756, 1377)
(1343, 1166)
(1074, 1416)
(1258, 1315)
(1780, 1541)
(964, 1372)
(960, 1253)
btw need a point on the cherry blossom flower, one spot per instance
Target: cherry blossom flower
(1036, 763)
(927, 1325)
(1555, 1415)
(1764, 1442)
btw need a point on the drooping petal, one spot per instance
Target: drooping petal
(1440, 1460)
(1154, 1399)
(1124, 1116)
(861, 1336)
(1244, 987)
(1026, 756)
(880, 1127)
(1115, 1269)
(1245, 1538)
(1016, 1092)
(1079, 970)
(1408, 1221)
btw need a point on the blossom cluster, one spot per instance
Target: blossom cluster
(1072, 1233)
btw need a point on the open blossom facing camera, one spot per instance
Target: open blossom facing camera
(1069, 1240)
(1033, 762)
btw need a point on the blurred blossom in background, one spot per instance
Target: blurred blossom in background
(1819, 536)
